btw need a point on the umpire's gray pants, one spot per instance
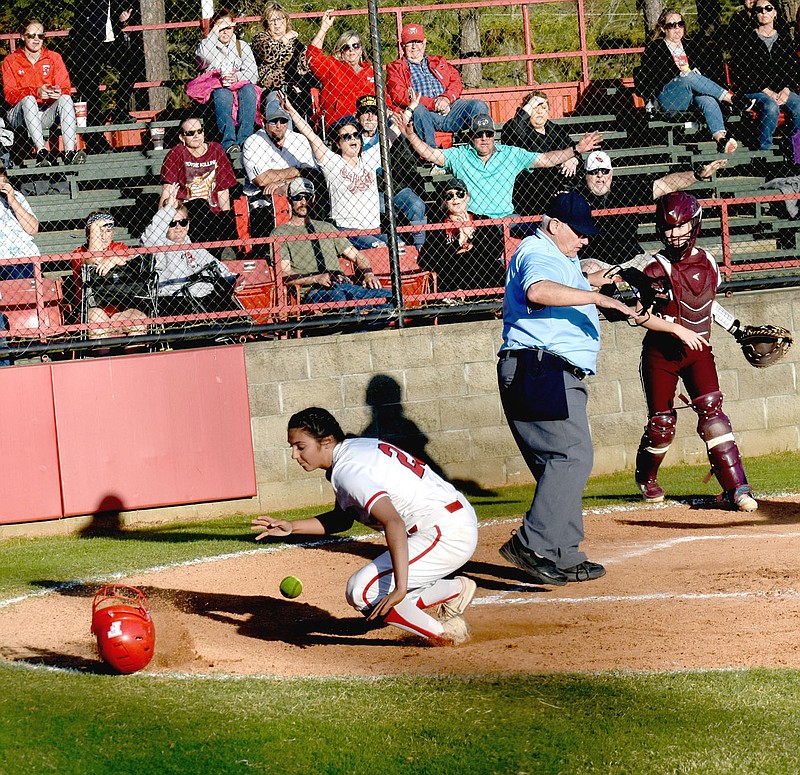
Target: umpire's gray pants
(35, 118)
(559, 454)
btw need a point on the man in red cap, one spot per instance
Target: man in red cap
(436, 81)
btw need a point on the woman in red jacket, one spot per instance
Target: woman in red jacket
(345, 76)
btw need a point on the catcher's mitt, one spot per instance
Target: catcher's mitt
(763, 345)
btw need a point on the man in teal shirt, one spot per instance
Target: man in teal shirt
(489, 168)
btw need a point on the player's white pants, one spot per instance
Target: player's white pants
(433, 552)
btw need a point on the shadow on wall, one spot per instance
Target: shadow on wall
(390, 423)
(106, 519)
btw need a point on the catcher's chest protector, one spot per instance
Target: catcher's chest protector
(694, 286)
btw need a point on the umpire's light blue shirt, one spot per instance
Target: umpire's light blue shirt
(571, 332)
(490, 184)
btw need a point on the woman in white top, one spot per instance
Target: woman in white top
(350, 174)
(431, 529)
(222, 53)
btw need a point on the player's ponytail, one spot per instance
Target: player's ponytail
(317, 422)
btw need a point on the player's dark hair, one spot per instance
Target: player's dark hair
(317, 422)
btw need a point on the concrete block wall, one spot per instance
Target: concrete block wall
(433, 390)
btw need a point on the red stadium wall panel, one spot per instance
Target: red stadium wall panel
(153, 430)
(30, 488)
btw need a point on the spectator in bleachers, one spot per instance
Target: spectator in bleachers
(204, 175)
(532, 129)
(345, 76)
(281, 58)
(313, 265)
(408, 184)
(618, 241)
(765, 67)
(742, 22)
(18, 227)
(272, 157)
(670, 72)
(37, 87)
(180, 290)
(98, 252)
(437, 84)
(488, 168)
(462, 255)
(97, 41)
(350, 175)
(230, 64)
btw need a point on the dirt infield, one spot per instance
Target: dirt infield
(687, 587)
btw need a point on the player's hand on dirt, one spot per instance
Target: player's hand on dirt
(271, 528)
(386, 605)
(591, 141)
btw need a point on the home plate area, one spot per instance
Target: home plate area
(687, 587)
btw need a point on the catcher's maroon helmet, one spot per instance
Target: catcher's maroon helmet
(123, 627)
(674, 210)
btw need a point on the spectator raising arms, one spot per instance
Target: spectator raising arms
(37, 87)
(437, 83)
(231, 60)
(281, 58)
(765, 67)
(669, 73)
(345, 76)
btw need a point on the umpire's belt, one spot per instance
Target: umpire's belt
(546, 355)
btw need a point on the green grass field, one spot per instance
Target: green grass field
(690, 722)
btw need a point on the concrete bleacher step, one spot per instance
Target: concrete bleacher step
(62, 207)
(67, 241)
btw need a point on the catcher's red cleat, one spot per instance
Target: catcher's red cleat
(652, 491)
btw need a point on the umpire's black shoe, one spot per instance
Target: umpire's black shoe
(540, 568)
(585, 571)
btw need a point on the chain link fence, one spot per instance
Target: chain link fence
(203, 182)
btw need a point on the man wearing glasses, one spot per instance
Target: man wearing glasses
(438, 83)
(204, 176)
(618, 242)
(551, 337)
(313, 265)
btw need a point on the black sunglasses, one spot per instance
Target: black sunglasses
(192, 132)
(301, 197)
(278, 121)
(599, 171)
(349, 136)
(450, 195)
(353, 46)
(179, 222)
(481, 135)
(764, 9)
(36, 35)
(673, 25)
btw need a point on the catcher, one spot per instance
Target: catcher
(679, 284)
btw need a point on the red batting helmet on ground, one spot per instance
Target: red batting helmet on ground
(123, 627)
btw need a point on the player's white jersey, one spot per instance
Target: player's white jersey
(365, 470)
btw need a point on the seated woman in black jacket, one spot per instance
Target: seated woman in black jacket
(532, 129)
(670, 74)
(765, 67)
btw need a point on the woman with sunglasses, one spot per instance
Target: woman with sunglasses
(463, 256)
(231, 60)
(105, 256)
(345, 76)
(37, 87)
(180, 291)
(764, 66)
(281, 58)
(350, 175)
(671, 73)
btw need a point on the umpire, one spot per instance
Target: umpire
(551, 337)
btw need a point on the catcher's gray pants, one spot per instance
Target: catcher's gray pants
(27, 112)
(559, 454)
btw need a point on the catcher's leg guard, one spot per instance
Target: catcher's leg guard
(715, 430)
(656, 440)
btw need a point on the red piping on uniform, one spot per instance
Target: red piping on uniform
(375, 497)
(394, 618)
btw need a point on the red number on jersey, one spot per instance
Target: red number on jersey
(411, 463)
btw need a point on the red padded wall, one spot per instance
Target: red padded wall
(29, 477)
(154, 430)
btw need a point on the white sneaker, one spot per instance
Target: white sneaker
(456, 631)
(457, 605)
